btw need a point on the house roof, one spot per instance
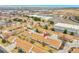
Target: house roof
(75, 50)
(51, 42)
(70, 37)
(38, 50)
(21, 43)
(27, 46)
(67, 26)
(24, 44)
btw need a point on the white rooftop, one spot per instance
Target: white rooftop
(40, 16)
(67, 26)
(54, 36)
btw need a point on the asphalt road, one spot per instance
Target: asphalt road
(57, 19)
(2, 50)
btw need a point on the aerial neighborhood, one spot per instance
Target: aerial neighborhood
(39, 30)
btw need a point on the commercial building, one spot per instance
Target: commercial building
(60, 27)
(42, 17)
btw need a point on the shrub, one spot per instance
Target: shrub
(72, 33)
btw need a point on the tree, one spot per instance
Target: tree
(50, 50)
(37, 30)
(72, 33)
(9, 21)
(15, 47)
(45, 27)
(52, 29)
(17, 19)
(65, 17)
(20, 50)
(51, 22)
(32, 41)
(42, 20)
(36, 19)
(43, 44)
(1, 27)
(24, 20)
(65, 31)
(3, 41)
(25, 16)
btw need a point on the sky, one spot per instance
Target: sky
(39, 2)
(39, 6)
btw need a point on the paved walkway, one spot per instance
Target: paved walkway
(68, 46)
(11, 47)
